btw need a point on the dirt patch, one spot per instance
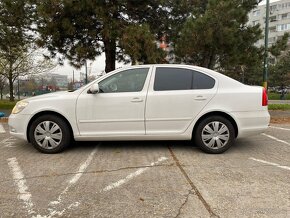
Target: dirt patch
(3, 119)
(280, 120)
(280, 117)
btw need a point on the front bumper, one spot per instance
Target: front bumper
(18, 125)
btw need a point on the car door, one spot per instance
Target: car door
(175, 97)
(118, 108)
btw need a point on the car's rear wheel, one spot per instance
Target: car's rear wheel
(49, 134)
(214, 134)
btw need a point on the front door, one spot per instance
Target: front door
(118, 109)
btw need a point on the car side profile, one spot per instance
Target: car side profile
(145, 102)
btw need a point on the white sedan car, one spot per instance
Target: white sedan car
(150, 102)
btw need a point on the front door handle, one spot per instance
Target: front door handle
(200, 98)
(136, 100)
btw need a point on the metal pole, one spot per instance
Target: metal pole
(86, 73)
(73, 82)
(265, 71)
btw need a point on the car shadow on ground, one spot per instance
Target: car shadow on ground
(133, 145)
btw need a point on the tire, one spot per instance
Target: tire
(49, 134)
(214, 135)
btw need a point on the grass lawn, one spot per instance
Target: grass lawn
(276, 96)
(6, 104)
(282, 107)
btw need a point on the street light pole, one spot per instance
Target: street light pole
(265, 71)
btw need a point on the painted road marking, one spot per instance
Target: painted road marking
(276, 139)
(2, 130)
(25, 195)
(20, 182)
(270, 163)
(76, 177)
(9, 142)
(82, 168)
(132, 175)
(281, 128)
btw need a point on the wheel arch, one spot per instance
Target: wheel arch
(47, 112)
(217, 113)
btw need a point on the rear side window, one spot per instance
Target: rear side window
(202, 81)
(181, 79)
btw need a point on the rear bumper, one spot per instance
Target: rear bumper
(18, 125)
(252, 123)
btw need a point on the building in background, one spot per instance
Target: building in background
(279, 19)
(57, 79)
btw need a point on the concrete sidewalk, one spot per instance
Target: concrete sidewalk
(279, 101)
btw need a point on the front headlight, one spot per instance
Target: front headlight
(19, 107)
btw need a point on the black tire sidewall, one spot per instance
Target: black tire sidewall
(66, 134)
(203, 123)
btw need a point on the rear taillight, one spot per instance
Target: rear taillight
(264, 98)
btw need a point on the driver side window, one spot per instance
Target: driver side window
(125, 81)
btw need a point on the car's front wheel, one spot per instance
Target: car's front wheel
(49, 134)
(215, 134)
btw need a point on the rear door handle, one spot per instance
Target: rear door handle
(200, 98)
(136, 100)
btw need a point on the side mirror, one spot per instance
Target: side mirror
(94, 89)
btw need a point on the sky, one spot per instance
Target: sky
(271, 1)
(95, 67)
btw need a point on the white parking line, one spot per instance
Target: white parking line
(281, 128)
(20, 182)
(2, 130)
(276, 139)
(71, 182)
(270, 163)
(76, 177)
(25, 196)
(9, 142)
(132, 175)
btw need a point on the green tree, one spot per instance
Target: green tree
(280, 72)
(140, 45)
(24, 62)
(218, 40)
(3, 83)
(15, 34)
(281, 45)
(83, 29)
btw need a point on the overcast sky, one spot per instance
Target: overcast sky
(94, 67)
(271, 1)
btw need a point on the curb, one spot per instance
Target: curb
(4, 120)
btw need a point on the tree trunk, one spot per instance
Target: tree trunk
(11, 88)
(10, 80)
(211, 63)
(110, 52)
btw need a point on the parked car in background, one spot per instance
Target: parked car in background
(149, 102)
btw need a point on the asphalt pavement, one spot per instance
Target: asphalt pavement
(147, 179)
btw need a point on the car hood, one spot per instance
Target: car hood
(49, 95)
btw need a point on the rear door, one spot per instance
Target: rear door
(175, 97)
